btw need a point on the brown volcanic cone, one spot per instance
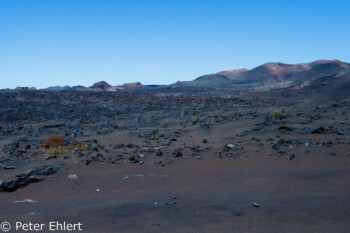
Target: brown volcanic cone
(101, 84)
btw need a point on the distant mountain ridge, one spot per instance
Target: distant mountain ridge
(268, 73)
(319, 70)
(104, 86)
(266, 76)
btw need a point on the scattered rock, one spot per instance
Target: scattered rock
(256, 205)
(25, 201)
(73, 176)
(178, 152)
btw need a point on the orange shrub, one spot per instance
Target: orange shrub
(53, 141)
(75, 140)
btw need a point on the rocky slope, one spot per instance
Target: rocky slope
(269, 73)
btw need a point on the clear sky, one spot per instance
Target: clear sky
(71, 42)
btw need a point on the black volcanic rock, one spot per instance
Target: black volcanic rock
(22, 180)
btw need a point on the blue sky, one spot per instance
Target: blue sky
(71, 42)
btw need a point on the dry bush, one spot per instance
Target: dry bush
(276, 113)
(53, 141)
(78, 147)
(52, 152)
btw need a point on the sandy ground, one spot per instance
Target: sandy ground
(309, 194)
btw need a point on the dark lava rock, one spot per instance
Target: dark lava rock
(24, 179)
(97, 158)
(133, 159)
(88, 161)
(130, 145)
(305, 130)
(257, 128)
(285, 128)
(81, 153)
(178, 152)
(319, 130)
(118, 146)
(159, 153)
(45, 170)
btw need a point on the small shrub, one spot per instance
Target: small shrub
(193, 122)
(78, 147)
(52, 152)
(53, 141)
(83, 125)
(154, 137)
(75, 140)
(56, 131)
(70, 147)
(144, 144)
(345, 101)
(71, 125)
(81, 147)
(276, 113)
